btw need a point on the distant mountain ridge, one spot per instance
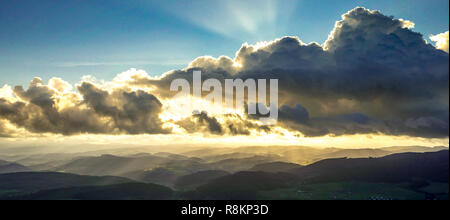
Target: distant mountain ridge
(110, 165)
(8, 167)
(194, 180)
(303, 155)
(275, 167)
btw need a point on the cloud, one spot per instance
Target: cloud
(201, 123)
(296, 114)
(441, 41)
(60, 85)
(374, 74)
(52, 109)
(227, 124)
(132, 112)
(371, 64)
(3, 132)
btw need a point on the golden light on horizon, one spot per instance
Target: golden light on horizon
(287, 139)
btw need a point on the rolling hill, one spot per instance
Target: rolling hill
(28, 182)
(160, 176)
(404, 167)
(124, 191)
(404, 174)
(262, 176)
(13, 168)
(354, 153)
(275, 167)
(242, 185)
(110, 165)
(301, 154)
(194, 180)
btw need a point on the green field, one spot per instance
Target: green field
(7, 192)
(356, 191)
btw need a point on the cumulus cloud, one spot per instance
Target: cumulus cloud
(132, 112)
(60, 85)
(371, 64)
(3, 132)
(441, 41)
(50, 108)
(201, 123)
(228, 124)
(374, 74)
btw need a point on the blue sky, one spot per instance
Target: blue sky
(69, 39)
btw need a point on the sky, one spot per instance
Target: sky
(70, 39)
(352, 74)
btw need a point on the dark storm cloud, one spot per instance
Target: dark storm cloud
(297, 118)
(232, 124)
(201, 123)
(296, 114)
(371, 64)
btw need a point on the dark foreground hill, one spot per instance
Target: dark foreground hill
(404, 167)
(397, 176)
(18, 183)
(242, 185)
(124, 191)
